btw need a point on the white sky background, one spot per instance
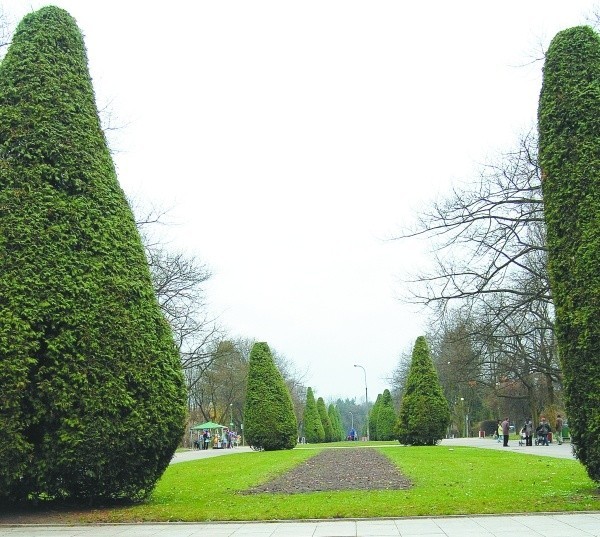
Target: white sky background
(289, 139)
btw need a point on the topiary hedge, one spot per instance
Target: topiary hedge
(336, 422)
(326, 422)
(269, 419)
(314, 431)
(373, 415)
(92, 398)
(386, 417)
(424, 413)
(569, 157)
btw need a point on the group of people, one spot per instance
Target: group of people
(542, 431)
(227, 439)
(352, 435)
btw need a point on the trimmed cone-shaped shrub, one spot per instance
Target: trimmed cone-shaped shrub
(336, 423)
(373, 433)
(386, 417)
(269, 419)
(92, 398)
(569, 157)
(313, 426)
(340, 422)
(424, 414)
(327, 427)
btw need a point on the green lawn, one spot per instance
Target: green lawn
(447, 481)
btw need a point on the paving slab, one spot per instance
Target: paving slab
(561, 451)
(537, 525)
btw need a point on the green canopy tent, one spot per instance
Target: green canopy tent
(209, 425)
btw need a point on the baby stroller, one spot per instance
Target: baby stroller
(522, 438)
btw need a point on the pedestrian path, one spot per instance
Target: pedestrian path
(193, 454)
(561, 451)
(540, 525)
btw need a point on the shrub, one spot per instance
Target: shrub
(373, 414)
(386, 417)
(424, 413)
(313, 426)
(569, 157)
(92, 398)
(489, 427)
(327, 427)
(269, 419)
(336, 423)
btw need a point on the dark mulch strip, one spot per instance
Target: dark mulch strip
(339, 469)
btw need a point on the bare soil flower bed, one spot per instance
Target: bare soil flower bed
(339, 469)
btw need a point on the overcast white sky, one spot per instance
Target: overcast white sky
(289, 139)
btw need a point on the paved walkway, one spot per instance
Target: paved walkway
(193, 454)
(535, 525)
(547, 525)
(561, 451)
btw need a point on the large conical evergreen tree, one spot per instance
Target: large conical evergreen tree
(386, 417)
(342, 431)
(327, 427)
(269, 419)
(569, 157)
(92, 399)
(373, 433)
(313, 427)
(424, 413)
(336, 422)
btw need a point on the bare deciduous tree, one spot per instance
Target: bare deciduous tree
(489, 272)
(179, 281)
(488, 238)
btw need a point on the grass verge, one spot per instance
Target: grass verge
(446, 482)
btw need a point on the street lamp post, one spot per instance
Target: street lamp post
(231, 416)
(352, 418)
(464, 411)
(366, 397)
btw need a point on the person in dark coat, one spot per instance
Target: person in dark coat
(505, 431)
(542, 430)
(527, 430)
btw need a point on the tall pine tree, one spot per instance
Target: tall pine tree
(374, 434)
(269, 419)
(327, 427)
(92, 398)
(336, 422)
(569, 157)
(313, 426)
(386, 417)
(424, 413)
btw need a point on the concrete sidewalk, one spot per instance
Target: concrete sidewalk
(540, 525)
(193, 454)
(561, 451)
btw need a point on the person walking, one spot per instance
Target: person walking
(528, 432)
(499, 431)
(559, 428)
(505, 431)
(542, 430)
